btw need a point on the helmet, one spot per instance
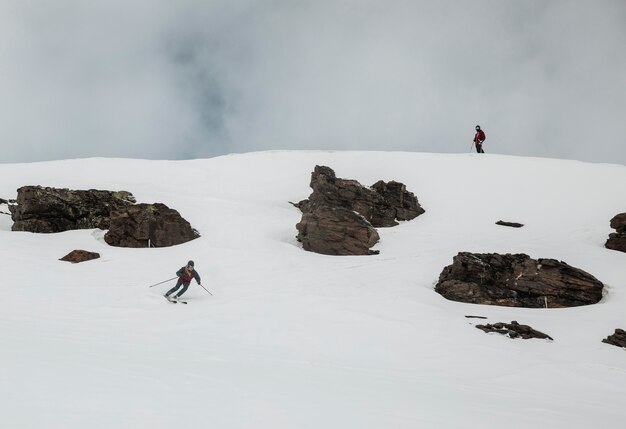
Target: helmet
(190, 264)
(478, 127)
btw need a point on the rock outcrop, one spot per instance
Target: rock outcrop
(617, 339)
(144, 225)
(381, 205)
(76, 256)
(511, 224)
(514, 330)
(516, 280)
(340, 215)
(336, 231)
(45, 210)
(617, 240)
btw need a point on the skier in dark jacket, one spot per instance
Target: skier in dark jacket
(185, 274)
(479, 138)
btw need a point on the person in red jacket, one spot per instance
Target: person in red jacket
(185, 274)
(479, 138)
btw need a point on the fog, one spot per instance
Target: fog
(189, 79)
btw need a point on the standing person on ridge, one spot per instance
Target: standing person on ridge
(479, 138)
(185, 274)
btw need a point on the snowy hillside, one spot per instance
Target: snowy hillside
(293, 339)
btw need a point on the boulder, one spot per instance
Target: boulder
(516, 280)
(336, 231)
(143, 225)
(617, 339)
(514, 330)
(381, 205)
(76, 256)
(46, 210)
(617, 240)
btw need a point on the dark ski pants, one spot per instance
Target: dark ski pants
(479, 148)
(182, 291)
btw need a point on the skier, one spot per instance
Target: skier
(479, 138)
(185, 274)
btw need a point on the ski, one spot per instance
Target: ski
(175, 300)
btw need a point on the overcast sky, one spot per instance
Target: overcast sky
(164, 79)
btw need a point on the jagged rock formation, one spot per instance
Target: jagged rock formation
(516, 280)
(617, 240)
(617, 339)
(340, 215)
(513, 330)
(76, 256)
(46, 210)
(381, 205)
(336, 231)
(143, 225)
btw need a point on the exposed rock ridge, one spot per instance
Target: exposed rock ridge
(45, 210)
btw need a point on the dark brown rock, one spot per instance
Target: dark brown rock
(45, 210)
(76, 256)
(143, 224)
(617, 339)
(514, 330)
(403, 203)
(339, 216)
(617, 240)
(336, 231)
(516, 280)
(382, 204)
(511, 224)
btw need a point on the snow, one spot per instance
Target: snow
(293, 339)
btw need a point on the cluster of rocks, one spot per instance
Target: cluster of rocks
(617, 240)
(340, 215)
(47, 210)
(517, 330)
(513, 330)
(517, 280)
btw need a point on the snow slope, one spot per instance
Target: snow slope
(293, 339)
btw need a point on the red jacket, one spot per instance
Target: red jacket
(479, 137)
(185, 275)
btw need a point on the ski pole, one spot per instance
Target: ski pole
(205, 289)
(162, 282)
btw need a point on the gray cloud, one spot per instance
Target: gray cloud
(191, 78)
